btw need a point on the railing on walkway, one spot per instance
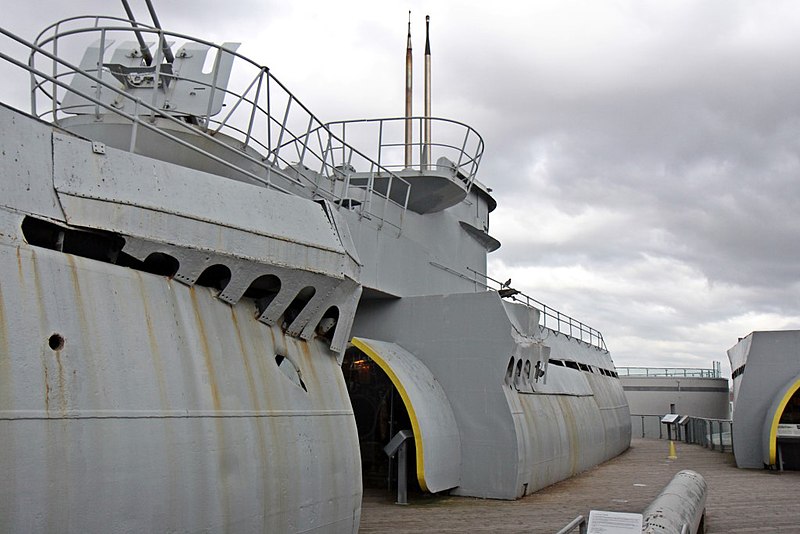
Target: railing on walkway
(678, 372)
(579, 523)
(549, 317)
(714, 434)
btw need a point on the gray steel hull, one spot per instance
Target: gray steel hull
(517, 434)
(163, 410)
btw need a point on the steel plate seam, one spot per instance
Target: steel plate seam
(109, 414)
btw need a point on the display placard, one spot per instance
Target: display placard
(601, 522)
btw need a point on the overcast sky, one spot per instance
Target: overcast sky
(644, 154)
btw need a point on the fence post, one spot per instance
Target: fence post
(711, 433)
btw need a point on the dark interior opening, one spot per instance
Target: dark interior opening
(216, 277)
(790, 446)
(380, 414)
(263, 290)
(156, 263)
(297, 305)
(327, 325)
(94, 244)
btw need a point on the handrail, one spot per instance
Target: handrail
(564, 324)
(678, 372)
(268, 130)
(716, 434)
(456, 141)
(579, 523)
(134, 118)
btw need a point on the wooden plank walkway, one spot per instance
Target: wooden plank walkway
(738, 500)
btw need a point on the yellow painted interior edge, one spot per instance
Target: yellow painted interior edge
(773, 431)
(376, 357)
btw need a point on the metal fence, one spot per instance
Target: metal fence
(715, 434)
(678, 372)
(549, 317)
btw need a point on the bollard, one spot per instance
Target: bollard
(673, 455)
(680, 504)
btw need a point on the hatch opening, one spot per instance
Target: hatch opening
(380, 413)
(788, 435)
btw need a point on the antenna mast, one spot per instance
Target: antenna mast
(409, 91)
(427, 141)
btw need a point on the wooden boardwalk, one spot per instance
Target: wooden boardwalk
(738, 500)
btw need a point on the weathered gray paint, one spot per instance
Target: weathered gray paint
(518, 437)
(772, 365)
(165, 406)
(408, 263)
(187, 425)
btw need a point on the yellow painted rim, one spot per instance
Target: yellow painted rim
(776, 417)
(376, 357)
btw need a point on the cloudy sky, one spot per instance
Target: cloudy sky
(645, 155)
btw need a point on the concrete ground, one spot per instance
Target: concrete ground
(738, 500)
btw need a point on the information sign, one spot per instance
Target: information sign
(601, 522)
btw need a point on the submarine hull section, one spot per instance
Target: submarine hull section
(130, 401)
(517, 433)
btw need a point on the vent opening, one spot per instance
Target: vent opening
(326, 327)
(216, 277)
(303, 297)
(510, 372)
(263, 290)
(290, 370)
(156, 263)
(94, 244)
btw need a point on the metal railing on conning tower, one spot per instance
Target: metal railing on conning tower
(549, 317)
(263, 134)
(384, 141)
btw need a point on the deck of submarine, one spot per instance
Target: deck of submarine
(739, 500)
